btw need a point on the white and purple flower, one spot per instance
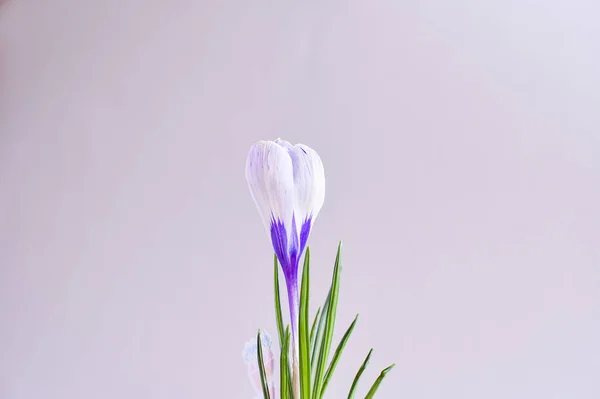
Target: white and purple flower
(287, 183)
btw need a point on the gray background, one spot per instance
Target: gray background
(462, 151)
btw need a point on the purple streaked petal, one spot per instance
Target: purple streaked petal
(309, 181)
(293, 249)
(304, 233)
(279, 239)
(269, 172)
(287, 248)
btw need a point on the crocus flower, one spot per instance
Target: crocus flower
(287, 183)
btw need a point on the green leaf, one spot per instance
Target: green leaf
(261, 366)
(318, 335)
(278, 303)
(285, 387)
(360, 371)
(375, 386)
(313, 329)
(304, 333)
(329, 326)
(337, 354)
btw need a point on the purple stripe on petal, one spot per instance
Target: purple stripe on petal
(280, 244)
(287, 248)
(304, 232)
(293, 249)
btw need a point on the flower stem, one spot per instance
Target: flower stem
(293, 299)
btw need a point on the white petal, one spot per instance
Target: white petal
(270, 177)
(309, 182)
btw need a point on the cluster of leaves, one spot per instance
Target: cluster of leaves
(314, 342)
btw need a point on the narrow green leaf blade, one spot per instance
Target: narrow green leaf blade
(360, 371)
(313, 329)
(261, 366)
(329, 326)
(337, 355)
(375, 386)
(318, 335)
(285, 386)
(278, 303)
(290, 383)
(304, 333)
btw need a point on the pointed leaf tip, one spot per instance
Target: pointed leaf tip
(364, 365)
(377, 382)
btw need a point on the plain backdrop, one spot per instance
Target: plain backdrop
(461, 143)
